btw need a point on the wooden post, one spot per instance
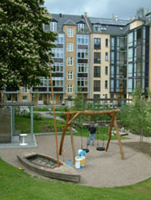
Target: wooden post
(110, 129)
(72, 144)
(119, 138)
(63, 135)
(76, 115)
(54, 113)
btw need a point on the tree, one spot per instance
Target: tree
(24, 44)
(136, 115)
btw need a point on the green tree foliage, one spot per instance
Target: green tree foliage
(23, 42)
(136, 114)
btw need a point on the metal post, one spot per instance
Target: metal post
(31, 115)
(13, 119)
(11, 123)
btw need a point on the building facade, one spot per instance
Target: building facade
(98, 57)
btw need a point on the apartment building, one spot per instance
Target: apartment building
(99, 57)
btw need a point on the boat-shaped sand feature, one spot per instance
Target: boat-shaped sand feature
(47, 166)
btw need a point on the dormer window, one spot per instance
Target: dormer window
(53, 26)
(97, 27)
(81, 27)
(46, 27)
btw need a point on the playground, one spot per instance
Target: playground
(102, 169)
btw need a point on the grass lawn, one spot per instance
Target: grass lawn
(43, 125)
(41, 109)
(17, 185)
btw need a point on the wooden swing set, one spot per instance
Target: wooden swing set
(72, 115)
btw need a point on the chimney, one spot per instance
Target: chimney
(112, 16)
(60, 15)
(85, 14)
(146, 11)
(131, 18)
(116, 17)
(87, 21)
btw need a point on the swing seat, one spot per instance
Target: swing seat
(87, 150)
(100, 149)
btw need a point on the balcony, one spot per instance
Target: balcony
(39, 89)
(56, 89)
(82, 75)
(83, 30)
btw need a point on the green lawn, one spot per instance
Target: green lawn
(41, 125)
(41, 109)
(17, 185)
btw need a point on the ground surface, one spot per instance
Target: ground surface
(102, 169)
(143, 147)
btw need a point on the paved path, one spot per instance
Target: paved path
(46, 115)
(103, 169)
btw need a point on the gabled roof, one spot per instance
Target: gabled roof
(64, 19)
(69, 22)
(53, 20)
(118, 22)
(81, 22)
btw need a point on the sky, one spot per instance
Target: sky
(123, 9)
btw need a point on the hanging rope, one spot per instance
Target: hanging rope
(85, 149)
(98, 147)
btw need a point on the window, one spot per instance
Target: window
(106, 42)
(69, 75)
(70, 47)
(112, 86)
(97, 71)
(96, 86)
(130, 54)
(83, 39)
(70, 61)
(70, 32)
(57, 83)
(53, 26)
(106, 56)
(112, 57)
(130, 87)
(96, 96)
(61, 97)
(69, 88)
(82, 67)
(106, 84)
(57, 67)
(81, 27)
(106, 70)
(97, 43)
(97, 27)
(58, 53)
(24, 98)
(43, 82)
(24, 90)
(97, 57)
(82, 82)
(112, 43)
(82, 53)
(130, 39)
(60, 39)
(46, 27)
(9, 97)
